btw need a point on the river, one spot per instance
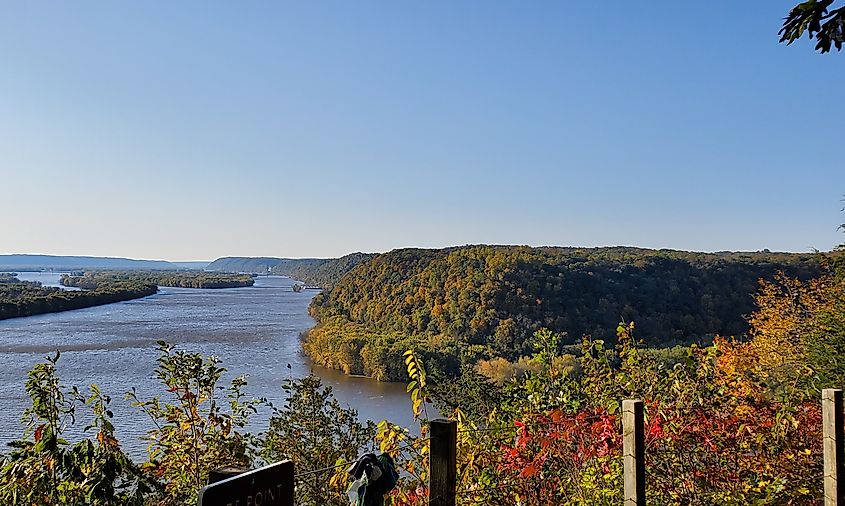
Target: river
(253, 330)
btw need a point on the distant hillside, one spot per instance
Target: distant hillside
(67, 263)
(497, 296)
(260, 265)
(256, 265)
(293, 266)
(324, 272)
(190, 265)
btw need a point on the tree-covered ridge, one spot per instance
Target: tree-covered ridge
(256, 265)
(26, 298)
(496, 297)
(92, 280)
(323, 273)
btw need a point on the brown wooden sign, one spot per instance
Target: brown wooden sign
(269, 486)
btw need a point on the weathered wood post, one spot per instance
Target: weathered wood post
(224, 473)
(443, 466)
(834, 447)
(633, 451)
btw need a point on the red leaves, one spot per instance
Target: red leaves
(655, 429)
(38, 432)
(546, 442)
(749, 447)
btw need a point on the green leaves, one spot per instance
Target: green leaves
(814, 18)
(46, 469)
(316, 432)
(193, 433)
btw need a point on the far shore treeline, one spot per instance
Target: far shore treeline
(91, 280)
(26, 298)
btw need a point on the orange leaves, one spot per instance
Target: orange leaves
(789, 316)
(531, 469)
(38, 432)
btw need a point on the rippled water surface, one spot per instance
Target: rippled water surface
(254, 330)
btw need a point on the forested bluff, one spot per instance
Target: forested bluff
(25, 298)
(463, 305)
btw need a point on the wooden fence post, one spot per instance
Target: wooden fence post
(633, 450)
(223, 473)
(834, 447)
(443, 463)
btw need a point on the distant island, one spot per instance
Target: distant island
(93, 280)
(26, 298)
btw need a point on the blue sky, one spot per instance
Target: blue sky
(193, 130)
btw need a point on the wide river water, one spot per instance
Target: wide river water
(254, 331)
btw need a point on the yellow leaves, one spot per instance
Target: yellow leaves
(389, 436)
(625, 331)
(775, 353)
(417, 386)
(340, 478)
(416, 403)
(415, 369)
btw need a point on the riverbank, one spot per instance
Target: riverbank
(25, 298)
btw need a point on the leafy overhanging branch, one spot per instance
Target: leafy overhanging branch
(820, 22)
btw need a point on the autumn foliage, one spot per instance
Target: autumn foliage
(738, 422)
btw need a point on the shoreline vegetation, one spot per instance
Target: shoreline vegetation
(27, 298)
(210, 280)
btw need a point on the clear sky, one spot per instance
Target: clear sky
(192, 130)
